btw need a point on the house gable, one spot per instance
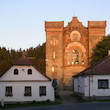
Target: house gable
(23, 74)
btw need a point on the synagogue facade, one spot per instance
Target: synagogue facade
(68, 49)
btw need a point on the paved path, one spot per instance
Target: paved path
(66, 97)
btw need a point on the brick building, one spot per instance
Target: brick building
(69, 48)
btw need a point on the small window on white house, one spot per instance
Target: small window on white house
(29, 71)
(8, 91)
(42, 90)
(27, 91)
(15, 71)
(103, 84)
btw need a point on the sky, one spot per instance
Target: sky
(22, 21)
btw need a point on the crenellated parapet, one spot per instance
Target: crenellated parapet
(54, 26)
(97, 31)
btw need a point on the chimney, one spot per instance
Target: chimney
(108, 52)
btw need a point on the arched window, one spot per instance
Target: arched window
(29, 71)
(75, 54)
(75, 57)
(15, 71)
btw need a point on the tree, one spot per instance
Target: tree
(36, 55)
(7, 57)
(101, 50)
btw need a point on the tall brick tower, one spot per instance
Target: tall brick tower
(96, 33)
(68, 48)
(54, 50)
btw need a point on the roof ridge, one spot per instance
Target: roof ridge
(83, 72)
(22, 61)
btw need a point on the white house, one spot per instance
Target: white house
(22, 82)
(94, 82)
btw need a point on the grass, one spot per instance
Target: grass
(79, 98)
(33, 104)
(101, 100)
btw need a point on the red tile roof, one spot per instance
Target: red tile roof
(22, 61)
(25, 61)
(102, 67)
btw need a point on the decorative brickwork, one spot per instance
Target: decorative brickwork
(69, 48)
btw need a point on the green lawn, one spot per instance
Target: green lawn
(30, 104)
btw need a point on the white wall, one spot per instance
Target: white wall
(94, 86)
(75, 84)
(22, 75)
(18, 89)
(18, 83)
(79, 84)
(86, 87)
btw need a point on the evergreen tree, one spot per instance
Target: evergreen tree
(36, 55)
(101, 50)
(7, 57)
